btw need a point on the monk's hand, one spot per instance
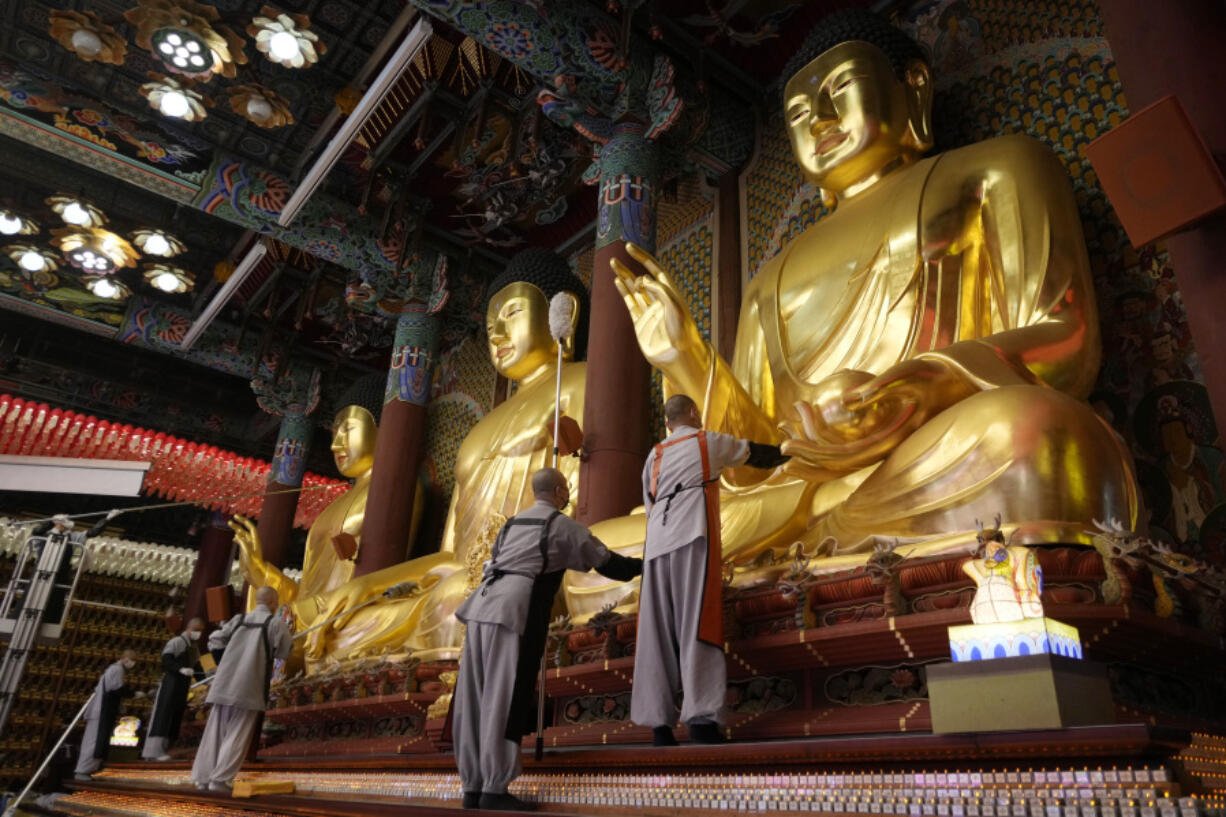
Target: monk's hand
(666, 331)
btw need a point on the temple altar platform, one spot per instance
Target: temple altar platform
(1123, 770)
(827, 711)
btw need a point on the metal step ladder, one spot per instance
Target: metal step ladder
(43, 582)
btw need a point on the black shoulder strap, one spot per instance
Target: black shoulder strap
(513, 522)
(267, 655)
(543, 544)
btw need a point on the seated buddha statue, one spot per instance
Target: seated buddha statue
(922, 352)
(334, 538)
(492, 482)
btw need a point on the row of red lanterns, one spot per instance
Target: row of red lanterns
(182, 471)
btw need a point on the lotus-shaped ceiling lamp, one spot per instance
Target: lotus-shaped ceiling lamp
(106, 286)
(13, 223)
(76, 211)
(93, 250)
(157, 242)
(174, 98)
(187, 38)
(286, 39)
(85, 35)
(31, 258)
(169, 278)
(260, 105)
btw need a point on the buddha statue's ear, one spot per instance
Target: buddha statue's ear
(917, 84)
(568, 343)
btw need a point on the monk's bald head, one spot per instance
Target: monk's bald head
(196, 624)
(549, 485)
(267, 596)
(546, 481)
(680, 409)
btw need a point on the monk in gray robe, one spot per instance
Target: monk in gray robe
(680, 647)
(179, 658)
(508, 621)
(102, 712)
(239, 691)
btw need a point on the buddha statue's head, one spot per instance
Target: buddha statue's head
(857, 103)
(517, 314)
(355, 426)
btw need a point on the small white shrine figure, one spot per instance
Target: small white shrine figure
(1009, 578)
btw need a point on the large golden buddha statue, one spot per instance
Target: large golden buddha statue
(922, 352)
(493, 470)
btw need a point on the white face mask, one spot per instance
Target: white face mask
(127, 663)
(194, 635)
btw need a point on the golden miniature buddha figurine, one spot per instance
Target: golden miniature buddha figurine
(492, 471)
(922, 352)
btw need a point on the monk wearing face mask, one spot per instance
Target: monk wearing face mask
(102, 712)
(179, 658)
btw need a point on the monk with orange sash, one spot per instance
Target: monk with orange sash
(680, 645)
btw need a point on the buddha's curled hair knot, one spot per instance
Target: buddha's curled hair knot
(856, 24)
(548, 272)
(367, 392)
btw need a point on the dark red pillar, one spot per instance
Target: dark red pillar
(402, 443)
(617, 407)
(212, 567)
(1177, 49)
(281, 497)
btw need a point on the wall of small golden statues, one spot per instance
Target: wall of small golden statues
(59, 677)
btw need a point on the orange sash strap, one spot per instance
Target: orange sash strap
(711, 619)
(659, 455)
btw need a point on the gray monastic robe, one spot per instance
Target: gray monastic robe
(669, 656)
(100, 718)
(507, 618)
(238, 692)
(179, 653)
(681, 518)
(241, 678)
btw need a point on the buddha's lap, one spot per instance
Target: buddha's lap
(1002, 434)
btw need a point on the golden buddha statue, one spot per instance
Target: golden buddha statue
(492, 481)
(327, 575)
(498, 457)
(922, 352)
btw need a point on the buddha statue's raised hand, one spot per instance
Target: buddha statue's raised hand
(667, 333)
(256, 571)
(250, 550)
